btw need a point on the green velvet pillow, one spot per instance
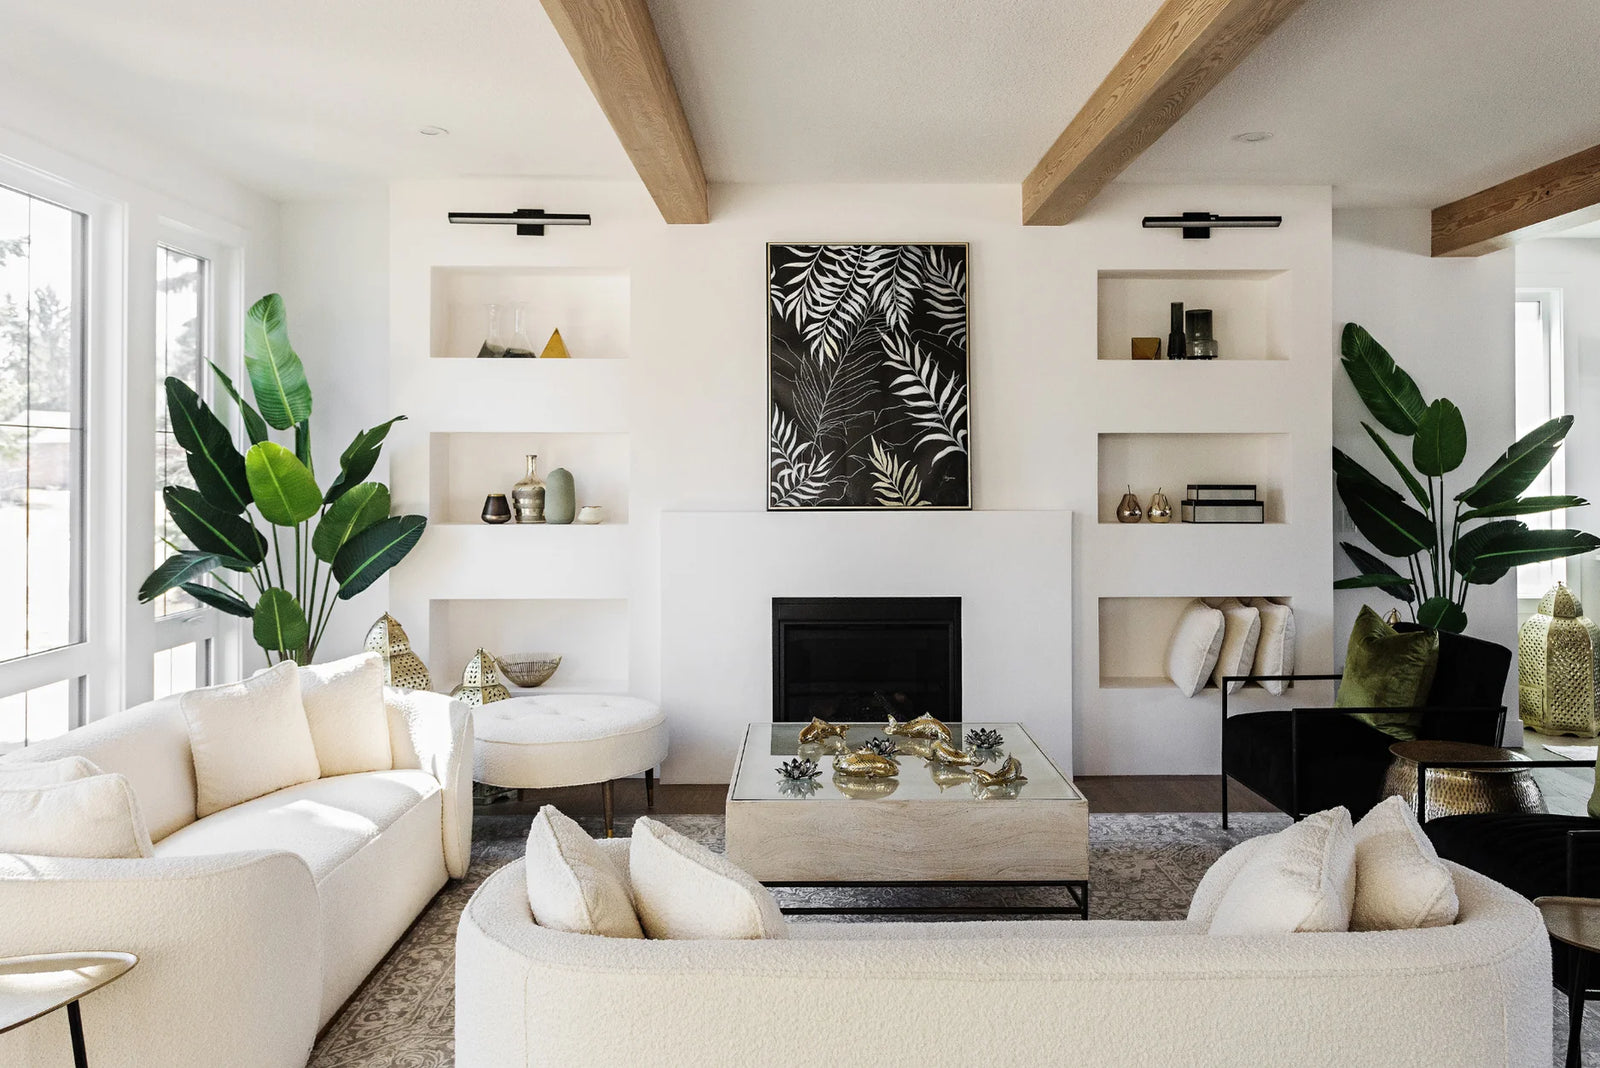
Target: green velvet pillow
(1384, 668)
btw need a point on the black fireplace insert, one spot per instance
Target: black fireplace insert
(862, 658)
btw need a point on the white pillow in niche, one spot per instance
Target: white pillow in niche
(1196, 642)
(1275, 650)
(1241, 634)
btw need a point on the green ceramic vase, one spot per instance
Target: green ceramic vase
(560, 497)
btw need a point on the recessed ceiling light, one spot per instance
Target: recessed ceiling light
(1253, 136)
(433, 131)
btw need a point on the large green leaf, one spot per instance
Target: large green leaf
(216, 465)
(1372, 567)
(375, 550)
(1384, 518)
(1524, 506)
(1346, 468)
(1441, 441)
(285, 491)
(302, 445)
(219, 599)
(1518, 466)
(1388, 392)
(358, 460)
(365, 505)
(280, 622)
(175, 570)
(255, 427)
(1392, 584)
(276, 375)
(1485, 554)
(1416, 487)
(214, 530)
(1441, 613)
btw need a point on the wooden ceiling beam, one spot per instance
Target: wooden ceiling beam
(1544, 201)
(615, 45)
(1188, 47)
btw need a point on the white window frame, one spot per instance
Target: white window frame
(1552, 318)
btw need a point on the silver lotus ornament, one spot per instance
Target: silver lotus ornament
(883, 746)
(924, 726)
(984, 738)
(798, 787)
(799, 769)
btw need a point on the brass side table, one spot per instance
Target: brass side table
(1574, 921)
(31, 987)
(1461, 778)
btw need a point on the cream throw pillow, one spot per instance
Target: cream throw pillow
(344, 707)
(45, 772)
(681, 889)
(1302, 879)
(1196, 642)
(571, 885)
(248, 739)
(1215, 882)
(1275, 650)
(96, 816)
(1241, 632)
(1400, 881)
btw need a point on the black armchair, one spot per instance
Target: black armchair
(1308, 759)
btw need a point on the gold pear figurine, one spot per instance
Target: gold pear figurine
(555, 348)
(924, 726)
(819, 730)
(402, 668)
(865, 764)
(1128, 510)
(479, 684)
(1006, 774)
(1160, 510)
(945, 753)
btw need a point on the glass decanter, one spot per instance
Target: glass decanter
(520, 347)
(493, 345)
(527, 496)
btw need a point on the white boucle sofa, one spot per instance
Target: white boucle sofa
(1103, 993)
(256, 923)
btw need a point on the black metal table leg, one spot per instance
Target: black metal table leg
(80, 1058)
(1576, 981)
(650, 788)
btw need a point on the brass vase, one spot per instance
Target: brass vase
(527, 496)
(1160, 508)
(1128, 510)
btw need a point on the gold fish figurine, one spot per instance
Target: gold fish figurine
(944, 776)
(924, 726)
(819, 730)
(942, 752)
(864, 789)
(865, 764)
(1005, 775)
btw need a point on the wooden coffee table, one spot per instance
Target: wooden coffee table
(928, 826)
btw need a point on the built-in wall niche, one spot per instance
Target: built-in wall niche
(591, 637)
(1135, 633)
(468, 466)
(1172, 462)
(589, 306)
(1249, 310)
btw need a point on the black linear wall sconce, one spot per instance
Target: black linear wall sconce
(530, 222)
(1198, 224)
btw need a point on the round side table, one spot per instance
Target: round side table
(1574, 921)
(31, 987)
(1461, 791)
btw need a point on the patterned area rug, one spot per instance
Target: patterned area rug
(1141, 867)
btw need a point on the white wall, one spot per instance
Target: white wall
(1448, 322)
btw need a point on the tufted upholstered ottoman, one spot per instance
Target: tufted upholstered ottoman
(539, 742)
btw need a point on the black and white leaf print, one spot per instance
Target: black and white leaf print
(868, 397)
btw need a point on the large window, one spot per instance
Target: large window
(42, 450)
(181, 331)
(1540, 397)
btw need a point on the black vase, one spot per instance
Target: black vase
(496, 509)
(1177, 344)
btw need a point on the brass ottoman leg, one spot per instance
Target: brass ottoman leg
(607, 798)
(650, 788)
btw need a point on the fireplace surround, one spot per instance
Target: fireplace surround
(863, 658)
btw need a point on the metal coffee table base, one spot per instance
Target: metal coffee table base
(1077, 890)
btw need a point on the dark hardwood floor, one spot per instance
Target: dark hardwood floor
(1106, 793)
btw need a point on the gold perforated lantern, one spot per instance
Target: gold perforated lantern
(1558, 672)
(402, 668)
(479, 684)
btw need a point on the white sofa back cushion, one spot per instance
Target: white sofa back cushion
(1400, 881)
(249, 738)
(46, 772)
(344, 708)
(1300, 879)
(95, 817)
(572, 885)
(681, 889)
(1196, 643)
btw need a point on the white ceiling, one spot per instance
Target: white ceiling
(1413, 102)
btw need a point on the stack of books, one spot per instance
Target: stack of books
(1216, 503)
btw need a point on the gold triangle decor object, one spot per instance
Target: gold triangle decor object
(402, 668)
(479, 684)
(555, 348)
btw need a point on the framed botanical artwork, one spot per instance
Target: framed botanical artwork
(867, 377)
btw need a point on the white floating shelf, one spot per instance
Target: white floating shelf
(480, 561)
(507, 396)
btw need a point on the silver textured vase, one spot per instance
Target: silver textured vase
(527, 496)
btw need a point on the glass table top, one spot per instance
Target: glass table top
(767, 745)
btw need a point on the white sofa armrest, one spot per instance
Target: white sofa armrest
(229, 956)
(433, 732)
